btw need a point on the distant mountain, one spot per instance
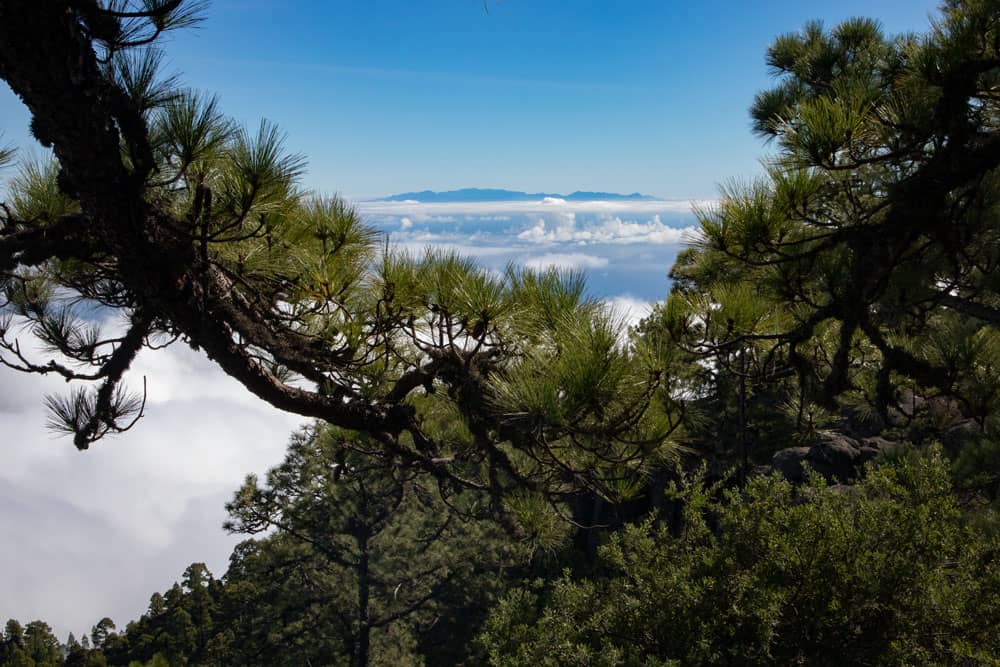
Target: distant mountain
(490, 194)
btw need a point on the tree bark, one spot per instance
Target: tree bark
(364, 585)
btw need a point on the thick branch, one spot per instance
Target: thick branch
(66, 238)
(971, 308)
(113, 371)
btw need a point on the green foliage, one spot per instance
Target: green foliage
(18, 657)
(35, 194)
(887, 572)
(369, 564)
(29, 646)
(178, 628)
(41, 644)
(13, 633)
(861, 270)
(359, 562)
(6, 155)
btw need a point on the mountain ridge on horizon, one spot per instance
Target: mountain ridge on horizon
(500, 194)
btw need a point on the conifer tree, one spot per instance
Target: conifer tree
(159, 208)
(860, 272)
(363, 562)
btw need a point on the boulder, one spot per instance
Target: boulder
(838, 457)
(958, 434)
(858, 424)
(877, 446)
(789, 463)
(835, 456)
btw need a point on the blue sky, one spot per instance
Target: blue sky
(386, 96)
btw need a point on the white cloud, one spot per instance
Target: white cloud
(133, 510)
(629, 308)
(489, 218)
(71, 567)
(574, 260)
(555, 227)
(564, 229)
(417, 244)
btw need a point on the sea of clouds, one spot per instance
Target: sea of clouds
(626, 247)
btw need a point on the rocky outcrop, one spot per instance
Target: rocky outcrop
(838, 457)
(789, 463)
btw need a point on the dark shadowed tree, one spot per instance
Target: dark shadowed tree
(861, 272)
(363, 562)
(42, 645)
(179, 626)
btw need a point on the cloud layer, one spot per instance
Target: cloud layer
(625, 246)
(604, 230)
(95, 533)
(568, 260)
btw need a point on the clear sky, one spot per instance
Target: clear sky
(387, 96)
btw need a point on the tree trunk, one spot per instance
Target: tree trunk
(744, 440)
(364, 627)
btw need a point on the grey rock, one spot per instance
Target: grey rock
(839, 458)
(958, 434)
(860, 425)
(835, 456)
(789, 463)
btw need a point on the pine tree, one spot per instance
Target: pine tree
(367, 563)
(160, 208)
(860, 272)
(42, 645)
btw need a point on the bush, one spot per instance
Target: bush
(884, 573)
